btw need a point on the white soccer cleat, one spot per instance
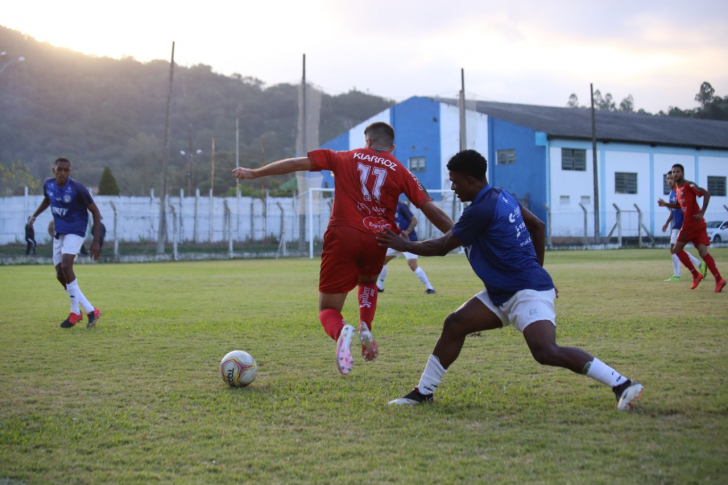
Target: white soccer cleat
(414, 398)
(344, 360)
(631, 393)
(369, 348)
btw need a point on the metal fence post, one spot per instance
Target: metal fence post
(586, 226)
(174, 230)
(548, 225)
(116, 228)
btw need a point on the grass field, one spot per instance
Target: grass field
(140, 399)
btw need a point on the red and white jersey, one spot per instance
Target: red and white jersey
(687, 197)
(368, 185)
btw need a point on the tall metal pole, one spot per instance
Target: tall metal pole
(594, 166)
(212, 167)
(189, 160)
(162, 234)
(463, 131)
(237, 150)
(302, 218)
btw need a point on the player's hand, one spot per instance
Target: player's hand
(390, 239)
(698, 216)
(557, 291)
(31, 221)
(94, 251)
(664, 228)
(661, 202)
(243, 173)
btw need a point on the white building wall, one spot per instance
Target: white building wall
(356, 134)
(630, 162)
(568, 189)
(713, 166)
(476, 136)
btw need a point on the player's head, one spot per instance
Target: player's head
(669, 179)
(678, 173)
(62, 170)
(467, 174)
(379, 134)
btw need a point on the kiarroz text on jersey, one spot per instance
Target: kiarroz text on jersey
(379, 160)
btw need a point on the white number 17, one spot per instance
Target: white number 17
(379, 173)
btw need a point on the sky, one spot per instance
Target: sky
(527, 51)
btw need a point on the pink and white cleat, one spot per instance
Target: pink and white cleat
(344, 360)
(369, 348)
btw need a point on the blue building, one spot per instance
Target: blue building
(544, 156)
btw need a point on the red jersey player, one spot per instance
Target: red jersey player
(368, 184)
(694, 228)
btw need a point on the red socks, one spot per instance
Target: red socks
(685, 260)
(710, 263)
(367, 303)
(332, 322)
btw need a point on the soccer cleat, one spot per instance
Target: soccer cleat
(412, 399)
(673, 278)
(93, 317)
(719, 285)
(430, 291)
(73, 319)
(696, 281)
(626, 393)
(344, 360)
(380, 290)
(369, 348)
(703, 268)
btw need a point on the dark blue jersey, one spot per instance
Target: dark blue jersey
(677, 214)
(402, 217)
(499, 247)
(69, 205)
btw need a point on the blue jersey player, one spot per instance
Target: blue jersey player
(504, 243)
(676, 217)
(70, 204)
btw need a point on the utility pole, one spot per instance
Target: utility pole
(594, 166)
(162, 234)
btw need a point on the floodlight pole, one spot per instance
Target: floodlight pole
(162, 234)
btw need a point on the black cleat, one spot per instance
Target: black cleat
(412, 399)
(73, 319)
(626, 393)
(93, 317)
(430, 291)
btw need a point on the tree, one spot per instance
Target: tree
(13, 180)
(108, 185)
(573, 101)
(705, 95)
(627, 105)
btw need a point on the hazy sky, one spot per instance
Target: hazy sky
(524, 51)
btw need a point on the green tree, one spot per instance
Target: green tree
(108, 185)
(627, 105)
(706, 94)
(13, 180)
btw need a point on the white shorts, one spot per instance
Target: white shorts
(524, 308)
(395, 253)
(66, 244)
(673, 235)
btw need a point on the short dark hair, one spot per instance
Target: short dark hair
(61, 160)
(679, 165)
(469, 162)
(381, 133)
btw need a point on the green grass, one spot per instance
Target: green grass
(140, 398)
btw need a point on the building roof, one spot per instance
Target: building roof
(611, 126)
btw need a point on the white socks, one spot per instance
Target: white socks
(599, 371)
(696, 261)
(676, 265)
(382, 276)
(74, 292)
(431, 377)
(423, 278)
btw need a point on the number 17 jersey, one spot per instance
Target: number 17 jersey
(368, 184)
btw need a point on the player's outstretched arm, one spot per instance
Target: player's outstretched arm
(662, 203)
(432, 247)
(95, 249)
(537, 229)
(281, 167)
(44, 204)
(438, 217)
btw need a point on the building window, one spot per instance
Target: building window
(573, 159)
(564, 200)
(506, 157)
(625, 183)
(417, 164)
(585, 200)
(716, 185)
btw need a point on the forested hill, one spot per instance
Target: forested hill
(102, 112)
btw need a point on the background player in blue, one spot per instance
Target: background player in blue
(70, 203)
(505, 245)
(676, 217)
(407, 222)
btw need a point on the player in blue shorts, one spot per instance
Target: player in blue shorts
(505, 245)
(70, 203)
(676, 217)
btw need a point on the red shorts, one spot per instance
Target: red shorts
(696, 235)
(348, 253)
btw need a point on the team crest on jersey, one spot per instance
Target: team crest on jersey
(66, 198)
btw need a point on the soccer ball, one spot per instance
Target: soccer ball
(238, 368)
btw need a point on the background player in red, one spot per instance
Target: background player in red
(694, 229)
(368, 184)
